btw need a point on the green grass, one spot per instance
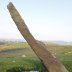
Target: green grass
(68, 65)
(13, 46)
(26, 63)
(14, 58)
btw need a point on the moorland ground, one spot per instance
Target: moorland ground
(20, 55)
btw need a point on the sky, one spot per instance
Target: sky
(46, 19)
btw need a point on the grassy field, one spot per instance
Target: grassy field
(20, 55)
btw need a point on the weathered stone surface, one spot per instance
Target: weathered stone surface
(52, 63)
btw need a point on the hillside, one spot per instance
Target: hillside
(19, 54)
(20, 48)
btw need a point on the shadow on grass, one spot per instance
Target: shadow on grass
(36, 68)
(21, 69)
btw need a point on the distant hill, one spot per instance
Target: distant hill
(3, 41)
(58, 42)
(11, 40)
(62, 43)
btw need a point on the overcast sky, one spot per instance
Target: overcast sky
(46, 19)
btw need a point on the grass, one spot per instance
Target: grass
(13, 56)
(13, 46)
(68, 65)
(26, 63)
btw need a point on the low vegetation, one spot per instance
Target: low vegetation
(19, 56)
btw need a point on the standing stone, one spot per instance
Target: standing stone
(51, 63)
